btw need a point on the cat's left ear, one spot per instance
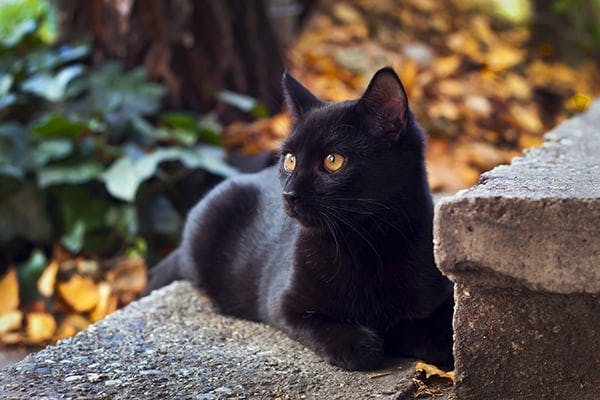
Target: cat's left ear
(298, 98)
(385, 100)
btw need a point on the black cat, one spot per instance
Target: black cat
(334, 245)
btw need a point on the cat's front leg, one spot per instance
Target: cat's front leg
(352, 347)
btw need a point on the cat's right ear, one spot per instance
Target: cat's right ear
(298, 98)
(386, 102)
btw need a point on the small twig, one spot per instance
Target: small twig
(379, 374)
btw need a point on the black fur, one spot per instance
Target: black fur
(346, 266)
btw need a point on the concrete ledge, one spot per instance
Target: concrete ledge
(537, 220)
(523, 247)
(170, 345)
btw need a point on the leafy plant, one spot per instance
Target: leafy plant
(83, 148)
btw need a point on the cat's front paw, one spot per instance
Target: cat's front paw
(358, 349)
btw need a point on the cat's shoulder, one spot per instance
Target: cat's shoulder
(240, 193)
(258, 183)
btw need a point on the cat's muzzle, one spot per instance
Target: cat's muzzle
(296, 207)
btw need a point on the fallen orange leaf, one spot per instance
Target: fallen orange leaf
(40, 327)
(431, 370)
(47, 280)
(9, 291)
(107, 302)
(526, 118)
(11, 338)
(79, 292)
(526, 141)
(408, 75)
(446, 66)
(502, 57)
(579, 102)
(10, 321)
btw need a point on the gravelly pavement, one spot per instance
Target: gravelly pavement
(171, 345)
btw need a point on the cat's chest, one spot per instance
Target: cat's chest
(365, 295)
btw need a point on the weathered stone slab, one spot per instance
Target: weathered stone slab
(171, 345)
(523, 247)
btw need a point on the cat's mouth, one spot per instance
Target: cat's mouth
(306, 215)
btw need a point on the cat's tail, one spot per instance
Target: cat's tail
(165, 272)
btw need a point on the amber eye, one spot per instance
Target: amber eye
(333, 162)
(289, 162)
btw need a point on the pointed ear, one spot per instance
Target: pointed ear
(298, 98)
(385, 100)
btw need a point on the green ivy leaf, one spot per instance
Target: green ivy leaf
(245, 103)
(29, 272)
(110, 89)
(210, 130)
(188, 128)
(47, 59)
(73, 240)
(124, 176)
(19, 31)
(209, 158)
(71, 175)
(20, 18)
(180, 120)
(57, 125)
(50, 150)
(6, 81)
(7, 100)
(11, 171)
(52, 87)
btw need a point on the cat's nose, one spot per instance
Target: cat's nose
(291, 196)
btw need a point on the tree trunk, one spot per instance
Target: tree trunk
(195, 47)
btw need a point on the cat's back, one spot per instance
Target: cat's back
(229, 235)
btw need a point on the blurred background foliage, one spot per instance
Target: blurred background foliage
(117, 115)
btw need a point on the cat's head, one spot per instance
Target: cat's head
(350, 161)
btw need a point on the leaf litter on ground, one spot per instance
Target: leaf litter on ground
(70, 293)
(480, 84)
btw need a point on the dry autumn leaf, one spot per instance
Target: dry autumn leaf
(451, 88)
(430, 370)
(579, 102)
(10, 321)
(350, 16)
(502, 57)
(107, 302)
(446, 66)
(9, 291)
(47, 281)
(517, 86)
(12, 338)
(40, 327)
(526, 141)
(444, 109)
(526, 118)
(430, 380)
(79, 292)
(408, 74)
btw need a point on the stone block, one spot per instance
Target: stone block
(523, 247)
